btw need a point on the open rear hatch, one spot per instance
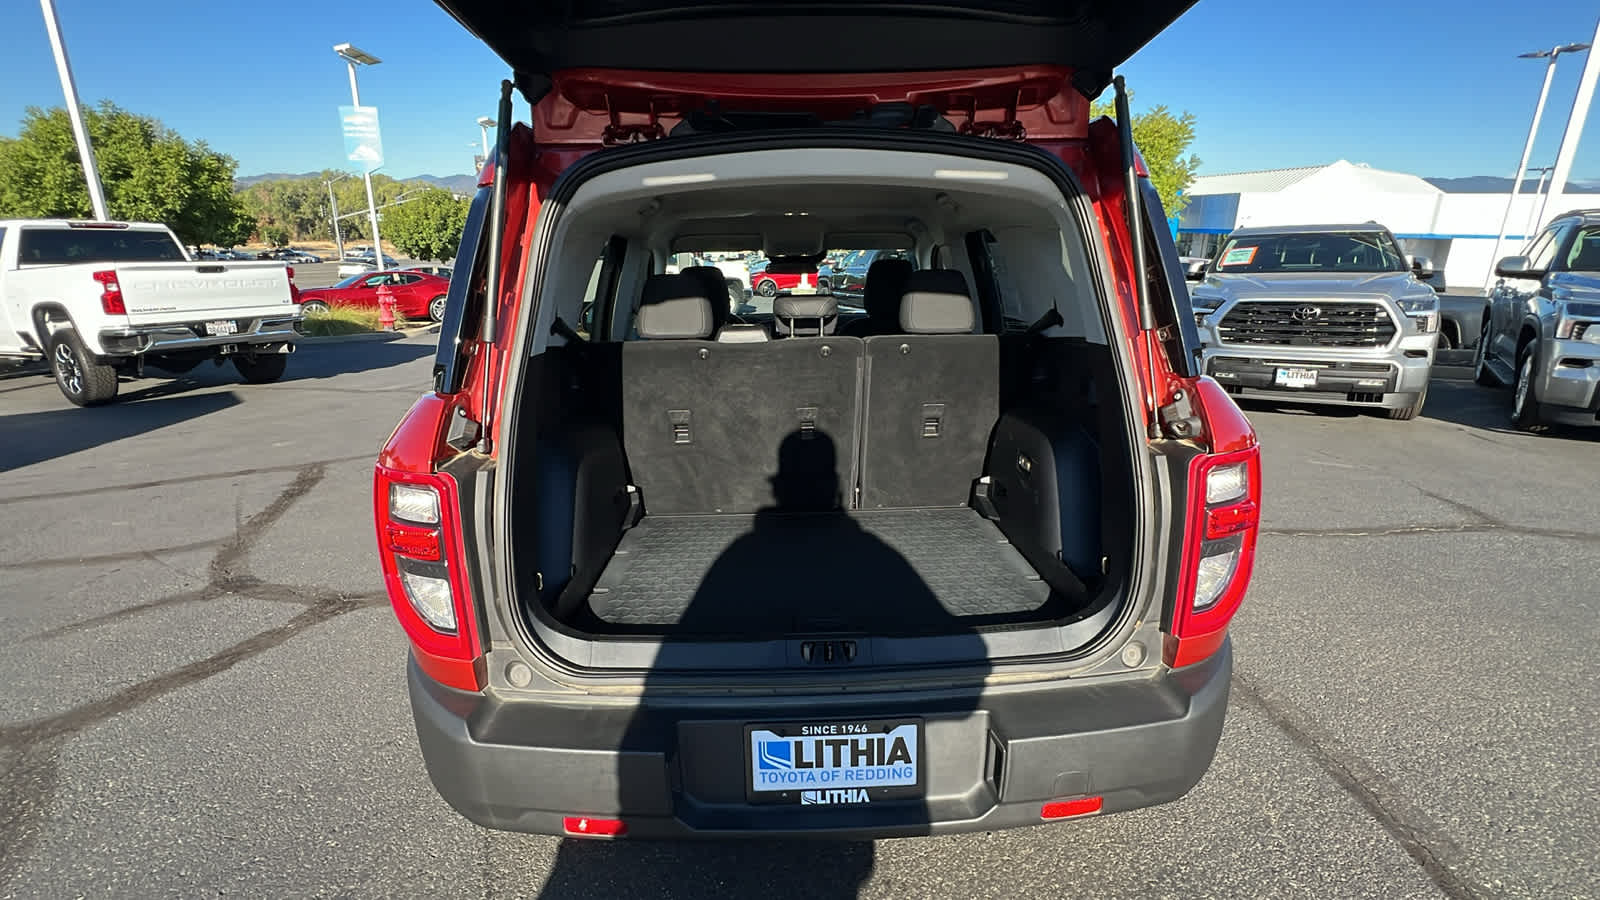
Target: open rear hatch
(880, 43)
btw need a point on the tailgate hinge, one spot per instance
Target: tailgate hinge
(632, 132)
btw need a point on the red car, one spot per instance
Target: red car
(417, 295)
(768, 284)
(958, 559)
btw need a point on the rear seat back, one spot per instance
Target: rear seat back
(705, 423)
(932, 399)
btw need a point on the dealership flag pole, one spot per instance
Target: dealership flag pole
(91, 172)
(1575, 121)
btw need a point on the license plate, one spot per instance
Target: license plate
(1296, 378)
(222, 326)
(834, 763)
(802, 290)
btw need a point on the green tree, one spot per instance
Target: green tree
(276, 235)
(1162, 139)
(148, 171)
(427, 226)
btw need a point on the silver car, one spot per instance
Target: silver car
(1327, 314)
(1541, 330)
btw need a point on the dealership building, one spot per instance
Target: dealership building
(1454, 228)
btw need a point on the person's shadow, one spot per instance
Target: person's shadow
(818, 578)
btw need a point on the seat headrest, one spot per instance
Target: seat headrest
(715, 285)
(886, 281)
(805, 316)
(674, 307)
(936, 301)
(742, 334)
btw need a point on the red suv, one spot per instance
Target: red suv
(961, 558)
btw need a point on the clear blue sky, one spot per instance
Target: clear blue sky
(1429, 87)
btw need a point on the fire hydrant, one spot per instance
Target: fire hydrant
(385, 307)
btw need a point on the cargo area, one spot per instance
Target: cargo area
(942, 451)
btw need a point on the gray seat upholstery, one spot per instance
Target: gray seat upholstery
(932, 399)
(880, 295)
(716, 288)
(674, 307)
(741, 333)
(703, 421)
(805, 316)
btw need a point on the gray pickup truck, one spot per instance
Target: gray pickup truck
(1328, 314)
(1541, 330)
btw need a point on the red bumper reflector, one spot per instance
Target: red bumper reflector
(1066, 809)
(583, 826)
(1232, 519)
(417, 543)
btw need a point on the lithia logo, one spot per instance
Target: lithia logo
(848, 760)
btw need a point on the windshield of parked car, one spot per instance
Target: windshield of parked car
(1334, 251)
(59, 246)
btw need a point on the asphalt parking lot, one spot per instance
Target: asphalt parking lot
(202, 689)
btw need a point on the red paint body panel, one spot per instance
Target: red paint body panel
(410, 299)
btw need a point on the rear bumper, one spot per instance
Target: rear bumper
(674, 766)
(1569, 389)
(1378, 382)
(178, 338)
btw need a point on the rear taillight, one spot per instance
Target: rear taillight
(1218, 552)
(110, 293)
(290, 270)
(419, 541)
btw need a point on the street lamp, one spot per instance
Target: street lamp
(485, 123)
(355, 57)
(1536, 214)
(91, 173)
(1527, 148)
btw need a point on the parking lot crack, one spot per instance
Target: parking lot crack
(1421, 838)
(104, 558)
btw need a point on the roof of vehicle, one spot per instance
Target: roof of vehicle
(1259, 230)
(1585, 213)
(1093, 37)
(80, 223)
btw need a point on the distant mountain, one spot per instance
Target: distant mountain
(1492, 184)
(459, 184)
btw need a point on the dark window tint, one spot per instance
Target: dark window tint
(1347, 251)
(410, 279)
(57, 246)
(1585, 253)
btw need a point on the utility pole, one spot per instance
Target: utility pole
(91, 172)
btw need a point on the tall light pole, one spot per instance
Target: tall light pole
(484, 124)
(333, 205)
(1535, 213)
(1527, 148)
(354, 57)
(1575, 120)
(91, 172)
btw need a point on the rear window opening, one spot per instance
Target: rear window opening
(940, 447)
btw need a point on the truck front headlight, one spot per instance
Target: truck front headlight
(1577, 321)
(1424, 311)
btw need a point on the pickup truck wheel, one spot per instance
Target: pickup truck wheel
(1524, 400)
(1407, 413)
(82, 380)
(436, 308)
(261, 368)
(1484, 375)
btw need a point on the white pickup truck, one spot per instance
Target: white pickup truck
(103, 299)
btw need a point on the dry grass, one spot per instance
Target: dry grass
(346, 320)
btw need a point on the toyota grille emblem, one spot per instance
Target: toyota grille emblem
(1307, 313)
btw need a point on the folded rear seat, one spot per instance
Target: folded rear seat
(932, 399)
(704, 421)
